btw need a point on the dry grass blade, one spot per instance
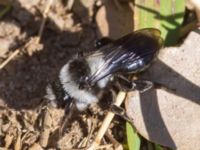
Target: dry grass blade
(120, 98)
(16, 52)
(70, 4)
(26, 46)
(91, 127)
(48, 6)
(46, 129)
(9, 58)
(108, 146)
(18, 143)
(8, 140)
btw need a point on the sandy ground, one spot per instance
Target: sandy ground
(23, 80)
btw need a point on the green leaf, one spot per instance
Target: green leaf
(132, 137)
(166, 15)
(158, 147)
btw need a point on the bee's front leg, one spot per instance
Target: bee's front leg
(127, 85)
(119, 111)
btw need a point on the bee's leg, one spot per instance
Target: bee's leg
(140, 85)
(144, 85)
(102, 42)
(123, 83)
(70, 108)
(69, 104)
(164, 87)
(119, 111)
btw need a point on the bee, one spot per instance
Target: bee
(82, 77)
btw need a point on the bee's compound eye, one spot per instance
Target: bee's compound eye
(83, 83)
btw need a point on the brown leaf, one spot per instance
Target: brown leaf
(115, 19)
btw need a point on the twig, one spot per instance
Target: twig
(91, 130)
(90, 133)
(50, 2)
(8, 140)
(104, 146)
(9, 58)
(120, 98)
(25, 44)
(70, 4)
(46, 129)
(18, 143)
(85, 141)
(48, 6)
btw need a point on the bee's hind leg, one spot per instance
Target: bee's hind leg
(141, 85)
(119, 111)
(144, 85)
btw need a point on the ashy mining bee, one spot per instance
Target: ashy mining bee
(82, 77)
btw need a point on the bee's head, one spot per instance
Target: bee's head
(84, 84)
(79, 72)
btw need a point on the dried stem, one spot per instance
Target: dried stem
(105, 125)
(9, 58)
(48, 6)
(44, 137)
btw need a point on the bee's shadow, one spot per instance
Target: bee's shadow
(149, 100)
(24, 79)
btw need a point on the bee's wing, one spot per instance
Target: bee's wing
(131, 53)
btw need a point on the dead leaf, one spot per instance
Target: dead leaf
(171, 119)
(115, 20)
